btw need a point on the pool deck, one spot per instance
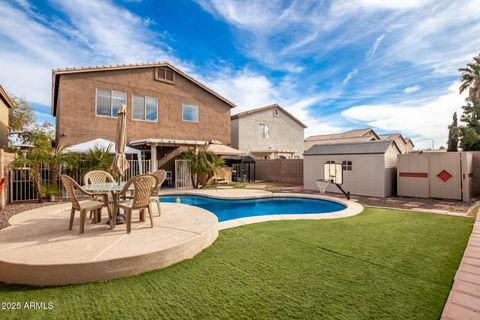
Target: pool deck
(352, 208)
(38, 249)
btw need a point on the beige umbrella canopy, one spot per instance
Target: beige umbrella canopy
(120, 163)
(220, 149)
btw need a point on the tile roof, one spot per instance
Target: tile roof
(269, 107)
(372, 147)
(357, 133)
(392, 136)
(70, 70)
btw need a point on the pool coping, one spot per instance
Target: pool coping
(352, 208)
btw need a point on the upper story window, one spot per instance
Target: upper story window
(276, 113)
(264, 131)
(165, 74)
(190, 113)
(347, 165)
(109, 101)
(144, 108)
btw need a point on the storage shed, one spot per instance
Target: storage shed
(369, 168)
(444, 175)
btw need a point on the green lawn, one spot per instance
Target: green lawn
(381, 264)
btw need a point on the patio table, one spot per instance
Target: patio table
(114, 188)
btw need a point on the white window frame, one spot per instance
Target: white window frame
(144, 107)
(183, 112)
(265, 134)
(276, 112)
(111, 102)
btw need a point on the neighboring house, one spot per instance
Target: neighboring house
(6, 103)
(167, 109)
(360, 135)
(357, 135)
(405, 145)
(269, 132)
(369, 168)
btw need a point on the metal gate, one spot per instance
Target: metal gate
(183, 178)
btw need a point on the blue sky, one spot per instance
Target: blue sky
(336, 65)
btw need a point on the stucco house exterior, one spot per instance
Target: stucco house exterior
(6, 103)
(269, 132)
(167, 109)
(369, 168)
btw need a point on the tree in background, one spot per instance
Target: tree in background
(21, 118)
(453, 134)
(470, 132)
(471, 79)
(33, 160)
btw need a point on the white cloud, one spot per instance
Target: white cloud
(427, 120)
(412, 89)
(374, 49)
(349, 76)
(95, 32)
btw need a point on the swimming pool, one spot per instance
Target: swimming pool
(233, 209)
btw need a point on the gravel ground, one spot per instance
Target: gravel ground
(12, 209)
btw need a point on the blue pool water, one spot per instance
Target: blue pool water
(234, 209)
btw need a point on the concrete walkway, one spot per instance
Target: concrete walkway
(464, 300)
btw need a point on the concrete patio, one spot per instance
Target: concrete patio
(38, 249)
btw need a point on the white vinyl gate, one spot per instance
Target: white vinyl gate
(183, 178)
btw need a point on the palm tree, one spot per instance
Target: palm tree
(471, 79)
(61, 158)
(99, 159)
(202, 163)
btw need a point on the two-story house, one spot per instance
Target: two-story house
(269, 132)
(168, 110)
(6, 103)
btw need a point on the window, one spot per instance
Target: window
(276, 113)
(330, 162)
(109, 101)
(347, 165)
(264, 131)
(190, 113)
(165, 74)
(144, 108)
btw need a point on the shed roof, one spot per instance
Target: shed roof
(59, 71)
(269, 107)
(372, 147)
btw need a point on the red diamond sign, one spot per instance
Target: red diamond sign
(444, 175)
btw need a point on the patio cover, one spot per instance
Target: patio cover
(220, 149)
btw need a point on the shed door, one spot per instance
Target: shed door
(445, 176)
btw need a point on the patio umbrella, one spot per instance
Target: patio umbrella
(120, 163)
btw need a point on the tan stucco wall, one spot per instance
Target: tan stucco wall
(77, 122)
(4, 111)
(285, 133)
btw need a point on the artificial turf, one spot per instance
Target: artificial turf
(381, 264)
